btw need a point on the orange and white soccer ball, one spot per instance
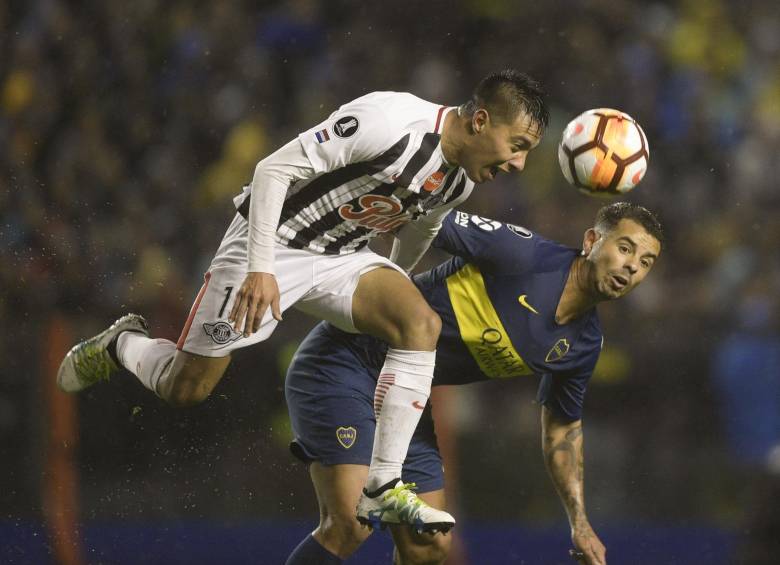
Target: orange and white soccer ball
(603, 152)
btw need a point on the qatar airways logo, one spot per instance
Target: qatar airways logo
(375, 212)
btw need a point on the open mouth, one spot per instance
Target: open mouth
(619, 281)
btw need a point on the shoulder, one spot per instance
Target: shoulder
(550, 255)
(403, 110)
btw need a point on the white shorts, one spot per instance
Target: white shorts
(319, 285)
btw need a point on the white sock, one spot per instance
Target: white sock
(145, 357)
(402, 391)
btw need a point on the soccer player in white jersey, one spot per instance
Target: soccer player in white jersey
(385, 162)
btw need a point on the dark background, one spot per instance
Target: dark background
(127, 127)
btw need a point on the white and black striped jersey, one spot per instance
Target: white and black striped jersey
(378, 165)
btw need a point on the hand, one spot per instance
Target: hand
(258, 291)
(589, 545)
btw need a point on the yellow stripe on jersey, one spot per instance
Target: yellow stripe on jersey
(480, 328)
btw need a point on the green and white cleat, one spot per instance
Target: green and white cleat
(400, 505)
(89, 362)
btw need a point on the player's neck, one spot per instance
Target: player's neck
(452, 134)
(575, 299)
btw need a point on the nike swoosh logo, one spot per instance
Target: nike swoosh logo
(417, 405)
(521, 299)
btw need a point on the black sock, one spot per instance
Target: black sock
(310, 552)
(387, 486)
(111, 348)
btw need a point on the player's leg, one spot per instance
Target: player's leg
(423, 468)
(185, 373)
(338, 534)
(413, 548)
(386, 304)
(364, 292)
(182, 373)
(329, 393)
(181, 379)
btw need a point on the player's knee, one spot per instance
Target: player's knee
(343, 534)
(425, 549)
(422, 331)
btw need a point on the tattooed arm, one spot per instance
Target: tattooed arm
(562, 448)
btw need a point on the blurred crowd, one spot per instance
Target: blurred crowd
(126, 128)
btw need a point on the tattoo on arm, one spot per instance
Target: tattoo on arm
(564, 460)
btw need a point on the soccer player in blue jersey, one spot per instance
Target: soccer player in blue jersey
(387, 162)
(512, 304)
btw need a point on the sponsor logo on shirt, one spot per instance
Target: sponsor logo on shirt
(376, 212)
(485, 223)
(480, 327)
(433, 182)
(462, 219)
(495, 355)
(346, 436)
(346, 126)
(524, 302)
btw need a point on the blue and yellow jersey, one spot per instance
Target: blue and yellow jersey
(497, 298)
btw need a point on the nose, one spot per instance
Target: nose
(631, 265)
(517, 163)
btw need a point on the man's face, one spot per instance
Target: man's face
(619, 259)
(495, 146)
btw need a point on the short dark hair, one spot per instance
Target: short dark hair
(504, 94)
(610, 215)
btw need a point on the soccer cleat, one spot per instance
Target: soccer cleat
(400, 505)
(89, 362)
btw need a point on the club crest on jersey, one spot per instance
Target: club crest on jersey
(558, 351)
(221, 332)
(485, 223)
(376, 212)
(346, 436)
(346, 126)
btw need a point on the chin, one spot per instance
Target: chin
(608, 293)
(473, 178)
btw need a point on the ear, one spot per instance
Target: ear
(480, 120)
(589, 240)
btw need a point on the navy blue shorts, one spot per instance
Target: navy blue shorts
(330, 397)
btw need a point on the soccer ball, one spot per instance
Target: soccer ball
(603, 152)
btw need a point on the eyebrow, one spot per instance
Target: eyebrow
(634, 245)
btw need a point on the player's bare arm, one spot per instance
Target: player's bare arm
(562, 448)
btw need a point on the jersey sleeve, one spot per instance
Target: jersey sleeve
(485, 242)
(564, 392)
(358, 131)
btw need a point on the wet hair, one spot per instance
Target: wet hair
(504, 94)
(610, 215)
